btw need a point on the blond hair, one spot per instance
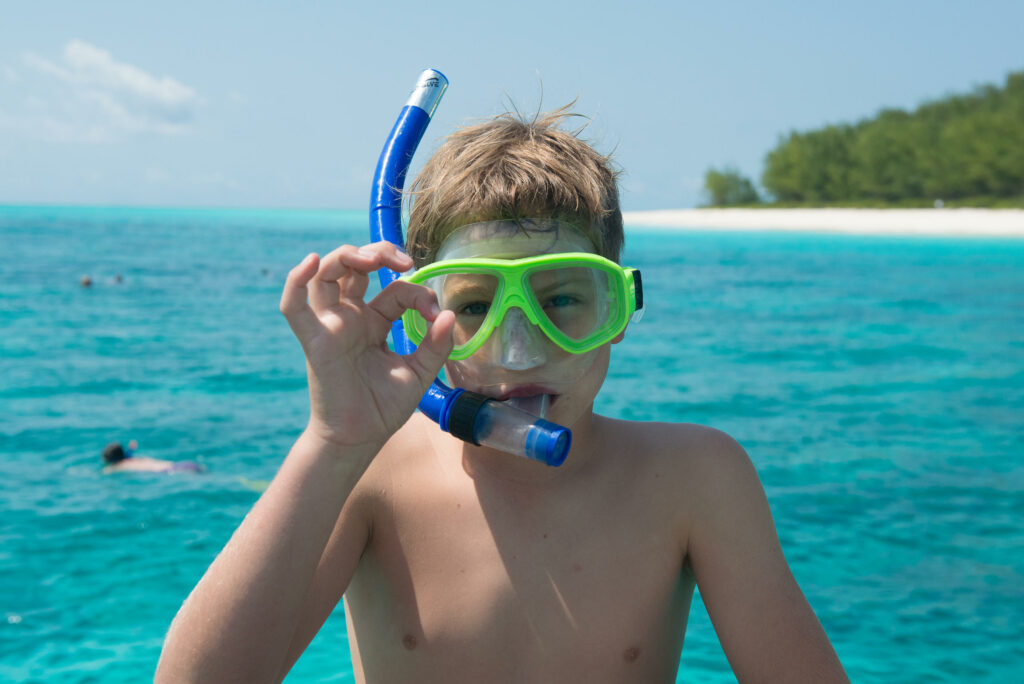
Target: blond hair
(511, 168)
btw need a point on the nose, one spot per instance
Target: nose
(522, 343)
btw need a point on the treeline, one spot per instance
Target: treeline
(963, 147)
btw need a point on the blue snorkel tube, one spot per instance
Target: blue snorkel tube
(470, 416)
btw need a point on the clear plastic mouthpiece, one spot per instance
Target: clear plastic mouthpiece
(504, 427)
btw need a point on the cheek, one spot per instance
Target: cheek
(451, 370)
(576, 402)
(598, 370)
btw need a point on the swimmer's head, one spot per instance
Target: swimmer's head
(113, 453)
(509, 168)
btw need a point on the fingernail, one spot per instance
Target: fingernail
(366, 253)
(434, 309)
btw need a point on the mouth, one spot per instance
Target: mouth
(533, 399)
(526, 391)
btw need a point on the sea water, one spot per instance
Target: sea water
(877, 383)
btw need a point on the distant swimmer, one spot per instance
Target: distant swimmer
(86, 281)
(118, 460)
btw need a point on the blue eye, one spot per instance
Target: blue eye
(475, 309)
(561, 300)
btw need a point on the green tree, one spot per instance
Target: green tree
(787, 173)
(728, 188)
(811, 167)
(890, 157)
(959, 147)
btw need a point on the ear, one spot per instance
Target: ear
(618, 338)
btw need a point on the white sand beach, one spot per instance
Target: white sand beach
(959, 222)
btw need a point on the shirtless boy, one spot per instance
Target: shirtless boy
(462, 564)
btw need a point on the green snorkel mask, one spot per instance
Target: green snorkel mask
(579, 300)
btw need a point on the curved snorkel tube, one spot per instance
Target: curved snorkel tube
(470, 416)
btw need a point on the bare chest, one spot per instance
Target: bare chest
(476, 585)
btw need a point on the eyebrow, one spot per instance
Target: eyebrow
(547, 283)
(462, 288)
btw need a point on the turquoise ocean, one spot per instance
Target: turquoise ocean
(877, 383)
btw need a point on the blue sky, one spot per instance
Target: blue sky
(261, 104)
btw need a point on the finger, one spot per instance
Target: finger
(348, 259)
(347, 267)
(294, 297)
(400, 295)
(390, 255)
(324, 293)
(344, 272)
(433, 351)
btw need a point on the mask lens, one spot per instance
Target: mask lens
(577, 301)
(470, 296)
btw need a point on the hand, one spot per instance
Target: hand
(360, 391)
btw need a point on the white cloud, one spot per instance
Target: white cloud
(86, 95)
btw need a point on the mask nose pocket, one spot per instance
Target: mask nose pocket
(522, 342)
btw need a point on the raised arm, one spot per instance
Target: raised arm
(765, 625)
(257, 600)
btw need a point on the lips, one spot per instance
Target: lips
(526, 391)
(534, 404)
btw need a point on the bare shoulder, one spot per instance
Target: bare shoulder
(765, 625)
(702, 468)
(686, 447)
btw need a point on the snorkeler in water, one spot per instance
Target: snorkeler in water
(117, 459)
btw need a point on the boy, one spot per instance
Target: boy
(461, 564)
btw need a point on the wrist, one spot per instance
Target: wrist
(328, 441)
(325, 461)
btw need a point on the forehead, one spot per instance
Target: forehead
(513, 240)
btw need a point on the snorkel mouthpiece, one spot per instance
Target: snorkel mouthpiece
(499, 425)
(472, 417)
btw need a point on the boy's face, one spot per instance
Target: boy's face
(518, 360)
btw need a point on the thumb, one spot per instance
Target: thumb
(435, 348)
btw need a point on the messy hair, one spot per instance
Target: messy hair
(511, 168)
